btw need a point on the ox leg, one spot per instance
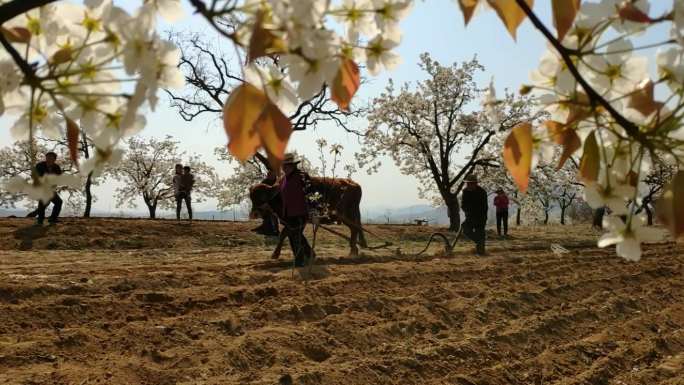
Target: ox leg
(359, 227)
(352, 241)
(279, 246)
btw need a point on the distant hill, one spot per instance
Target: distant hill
(13, 212)
(435, 215)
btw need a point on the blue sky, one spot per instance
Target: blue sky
(434, 26)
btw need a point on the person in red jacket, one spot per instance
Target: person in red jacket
(501, 202)
(293, 193)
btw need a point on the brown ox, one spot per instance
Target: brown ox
(342, 197)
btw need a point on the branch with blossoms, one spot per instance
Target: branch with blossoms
(64, 77)
(211, 76)
(602, 101)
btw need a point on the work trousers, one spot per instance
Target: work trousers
(56, 208)
(475, 231)
(300, 246)
(502, 221)
(180, 197)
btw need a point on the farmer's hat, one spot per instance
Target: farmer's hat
(471, 178)
(290, 159)
(499, 190)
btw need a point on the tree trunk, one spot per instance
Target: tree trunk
(454, 212)
(649, 215)
(546, 217)
(89, 195)
(562, 215)
(153, 210)
(517, 216)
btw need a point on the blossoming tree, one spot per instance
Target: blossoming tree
(69, 67)
(429, 131)
(147, 171)
(15, 161)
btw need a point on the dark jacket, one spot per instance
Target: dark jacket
(42, 168)
(474, 205)
(187, 182)
(501, 202)
(269, 180)
(293, 193)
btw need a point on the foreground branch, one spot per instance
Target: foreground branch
(594, 96)
(15, 8)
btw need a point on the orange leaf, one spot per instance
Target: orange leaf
(670, 207)
(642, 99)
(630, 12)
(263, 41)
(252, 121)
(345, 84)
(564, 12)
(274, 129)
(517, 154)
(468, 8)
(591, 160)
(16, 34)
(240, 113)
(566, 137)
(510, 13)
(73, 132)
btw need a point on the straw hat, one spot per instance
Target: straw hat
(290, 159)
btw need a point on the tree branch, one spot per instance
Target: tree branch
(15, 8)
(594, 96)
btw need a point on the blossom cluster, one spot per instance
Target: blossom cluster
(310, 45)
(609, 48)
(84, 69)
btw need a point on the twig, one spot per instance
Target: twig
(15, 8)
(24, 66)
(594, 96)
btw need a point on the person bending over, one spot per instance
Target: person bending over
(46, 167)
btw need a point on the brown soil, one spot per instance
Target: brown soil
(152, 302)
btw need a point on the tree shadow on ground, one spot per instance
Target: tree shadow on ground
(27, 234)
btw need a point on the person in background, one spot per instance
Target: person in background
(474, 205)
(501, 203)
(187, 182)
(293, 194)
(49, 166)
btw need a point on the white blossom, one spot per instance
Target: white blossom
(277, 86)
(44, 187)
(617, 71)
(609, 194)
(628, 237)
(358, 17)
(379, 53)
(170, 10)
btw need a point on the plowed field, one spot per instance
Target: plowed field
(153, 302)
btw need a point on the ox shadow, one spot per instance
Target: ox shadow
(27, 234)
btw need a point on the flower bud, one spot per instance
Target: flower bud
(16, 34)
(63, 55)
